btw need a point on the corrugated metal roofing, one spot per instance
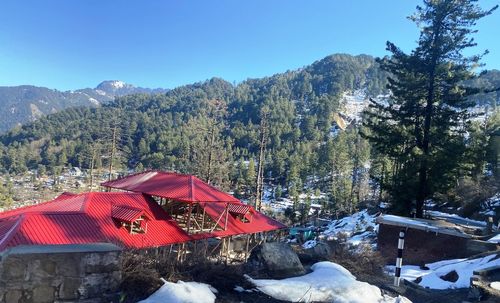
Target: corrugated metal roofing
(63, 203)
(125, 214)
(258, 222)
(89, 217)
(57, 222)
(240, 209)
(179, 187)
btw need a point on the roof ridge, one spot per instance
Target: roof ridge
(219, 190)
(129, 175)
(23, 209)
(86, 202)
(8, 236)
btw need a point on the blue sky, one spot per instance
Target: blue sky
(68, 44)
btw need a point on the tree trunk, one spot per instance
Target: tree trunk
(423, 186)
(210, 153)
(260, 169)
(112, 154)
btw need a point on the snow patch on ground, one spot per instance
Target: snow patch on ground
(384, 205)
(358, 228)
(183, 292)
(491, 206)
(329, 282)
(495, 239)
(309, 244)
(431, 277)
(495, 285)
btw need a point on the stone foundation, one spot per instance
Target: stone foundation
(60, 273)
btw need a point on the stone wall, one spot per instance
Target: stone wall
(60, 273)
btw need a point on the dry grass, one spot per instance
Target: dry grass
(142, 272)
(363, 262)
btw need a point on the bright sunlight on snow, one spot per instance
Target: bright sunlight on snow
(329, 282)
(183, 292)
(431, 278)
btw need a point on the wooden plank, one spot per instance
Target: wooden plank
(227, 214)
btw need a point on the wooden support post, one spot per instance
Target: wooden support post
(222, 247)
(188, 224)
(203, 221)
(227, 214)
(246, 247)
(184, 252)
(178, 252)
(228, 248)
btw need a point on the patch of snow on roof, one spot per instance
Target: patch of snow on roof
(397, 220)
(462, 220)
(329, 282)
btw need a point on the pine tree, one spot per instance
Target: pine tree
(250, 177)
(421, 128)
(342, 178)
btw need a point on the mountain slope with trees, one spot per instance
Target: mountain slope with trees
(220, 132)
(27, 103)
(183, 128)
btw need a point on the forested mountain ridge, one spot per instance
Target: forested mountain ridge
(215, 130)
(159, 130)
(26, 103)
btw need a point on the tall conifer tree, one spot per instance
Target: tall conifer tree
(421, 128)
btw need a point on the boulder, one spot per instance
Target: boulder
(322, 251)
(274, 260)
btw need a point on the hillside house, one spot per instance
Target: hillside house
(428, 241)
(159, 210)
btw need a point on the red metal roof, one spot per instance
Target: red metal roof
(126, 214)
(258, 222)
(240, 209)
(63, 203)
(57, 222)
(174, 186)
(89, 218)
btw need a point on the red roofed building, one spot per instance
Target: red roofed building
(129, 220)
(197, 207)
(185, 209)
(172, 186)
